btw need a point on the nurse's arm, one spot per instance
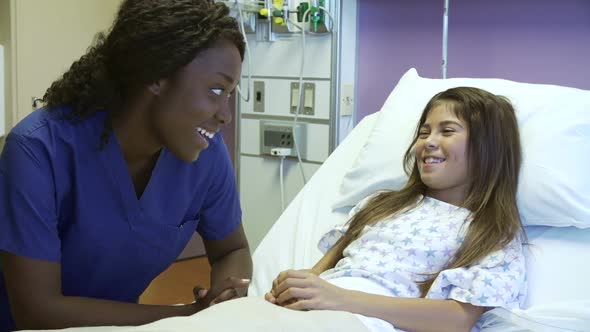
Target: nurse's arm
(230, 262)
(37, 302)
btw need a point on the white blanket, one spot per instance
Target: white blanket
(564, 316)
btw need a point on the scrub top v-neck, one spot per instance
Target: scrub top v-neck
(63, 198)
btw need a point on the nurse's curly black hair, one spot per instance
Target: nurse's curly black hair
(148, 41)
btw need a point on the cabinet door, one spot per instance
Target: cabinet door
(50, 35)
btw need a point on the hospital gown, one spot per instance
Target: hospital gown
(397, 253)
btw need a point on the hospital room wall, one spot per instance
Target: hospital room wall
(536, 41)
(277, 65)
(33, 56)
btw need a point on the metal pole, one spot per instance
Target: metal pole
(445, 39)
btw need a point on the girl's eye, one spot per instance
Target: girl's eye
(448, 130)
(217, 91)
(423, 134)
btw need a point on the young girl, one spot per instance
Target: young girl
(433, 255)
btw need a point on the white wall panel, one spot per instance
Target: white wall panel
(277, 65)
(261, 196)
(250, 136)
(283, 56)
(316, 147)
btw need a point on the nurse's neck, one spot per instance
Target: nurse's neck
(134, 132)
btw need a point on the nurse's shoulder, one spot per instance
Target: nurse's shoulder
(48, 131)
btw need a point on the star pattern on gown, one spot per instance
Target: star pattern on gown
(399, 252)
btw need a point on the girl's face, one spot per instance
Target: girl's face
(441, 152)
(192, 105)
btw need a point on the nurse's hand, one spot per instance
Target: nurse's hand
(229, 289)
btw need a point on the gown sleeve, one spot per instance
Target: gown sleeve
(497, 280)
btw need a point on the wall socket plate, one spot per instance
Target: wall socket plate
(308, 98)
(258, 96)
(346, 100)
(280, 134)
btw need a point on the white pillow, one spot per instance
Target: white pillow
(554, 123)
(558, 292)
(557, 265)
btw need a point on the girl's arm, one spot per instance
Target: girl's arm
(415, 314)
(300, 290)
(330, 259)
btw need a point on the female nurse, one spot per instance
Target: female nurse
(101, 190)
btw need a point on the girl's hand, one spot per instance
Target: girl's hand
(270, 296)
(304, 290)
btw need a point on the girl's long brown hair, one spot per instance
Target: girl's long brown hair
(494, 161)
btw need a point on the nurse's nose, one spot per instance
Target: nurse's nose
(224, 115)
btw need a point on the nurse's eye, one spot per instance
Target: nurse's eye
(217, 91)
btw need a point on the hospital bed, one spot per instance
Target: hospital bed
(554, 197)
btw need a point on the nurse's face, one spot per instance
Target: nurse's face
(190, 107)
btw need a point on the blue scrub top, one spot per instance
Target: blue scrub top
(63, 199)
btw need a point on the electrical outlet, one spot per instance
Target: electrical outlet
(347, 100)
(280, 134)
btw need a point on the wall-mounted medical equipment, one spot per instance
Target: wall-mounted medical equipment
(282, 140)
(284, 36)
(281, 135)
(269, 18)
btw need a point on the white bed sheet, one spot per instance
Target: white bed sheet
(571, 316)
